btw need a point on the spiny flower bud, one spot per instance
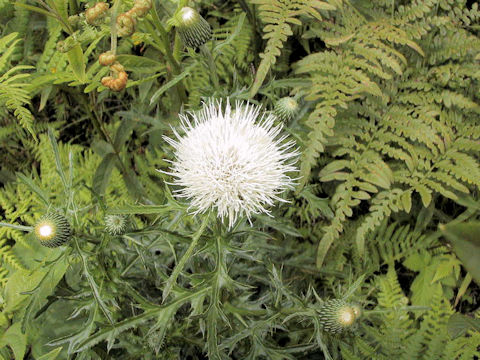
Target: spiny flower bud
(115, 224)
(337, 316)
(66, 45)
(286, 108)
(96, 13)
(107, 58)
(52, 230)
(193, 29)
(125, 25)
(140, 8)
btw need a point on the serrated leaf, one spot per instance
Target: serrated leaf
(52, 355)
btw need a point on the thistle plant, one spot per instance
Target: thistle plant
(253, 179)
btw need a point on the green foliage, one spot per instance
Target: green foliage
(13, 89)
(384, 217)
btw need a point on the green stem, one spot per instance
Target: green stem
(113, 27)
(17, 227)
(211, 64)
(176, 69)
(172, 280)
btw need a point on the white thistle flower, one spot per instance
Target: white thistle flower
(232, 160)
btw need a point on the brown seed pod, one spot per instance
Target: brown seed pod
(118, 81)
(125, 25)
(140, 8)
(107, 58)
(96, 13)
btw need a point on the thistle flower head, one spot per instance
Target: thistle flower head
(115, 224)
(337, 316)
(52, 230)
(231, 160)
(193, 29)
(286, 108)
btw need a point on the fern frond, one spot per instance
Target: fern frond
(277, 16)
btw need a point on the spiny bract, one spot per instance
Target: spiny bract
(232, 160)
(52, 230)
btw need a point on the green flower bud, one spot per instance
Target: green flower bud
(74, 20)
(286, 108)
(193, 29)
(52, 230)
(115, 224)
(337, 316)
(66, 45)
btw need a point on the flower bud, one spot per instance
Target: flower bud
(96, 13)
(125, 25)
(52, 230)
(107, 58)
(74, 20)
(66, 45)
(193, 29)
(337, 316)
(286, 108)
(115, 224)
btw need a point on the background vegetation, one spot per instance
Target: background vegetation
(385, 215)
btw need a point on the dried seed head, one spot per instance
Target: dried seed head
(125, 25)
(107, 58)
(96, 14)
(140, 8)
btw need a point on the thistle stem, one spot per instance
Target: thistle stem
(172, 280)
(17, 227)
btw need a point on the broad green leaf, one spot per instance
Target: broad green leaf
(465, 239)
(16, 340)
